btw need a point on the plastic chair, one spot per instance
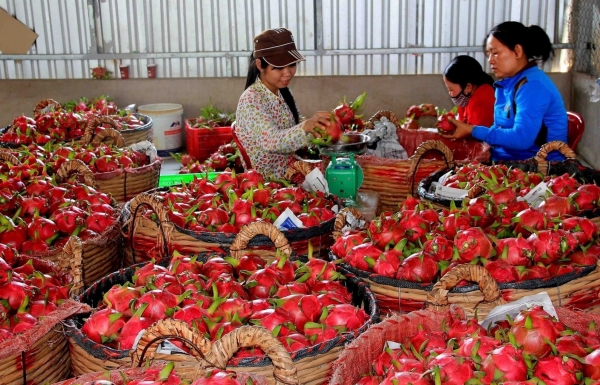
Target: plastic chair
(243, 153)
(575, 128)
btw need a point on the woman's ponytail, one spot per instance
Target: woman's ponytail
(540, 46)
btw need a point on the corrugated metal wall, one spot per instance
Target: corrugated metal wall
(213, 38)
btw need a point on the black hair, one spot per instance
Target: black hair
(534, 40)
(254, 73)
(464, 69)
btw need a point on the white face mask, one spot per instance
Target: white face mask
(461, 99)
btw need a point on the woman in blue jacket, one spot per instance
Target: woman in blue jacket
(529, 110)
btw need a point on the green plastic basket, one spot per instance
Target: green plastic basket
(170, 180)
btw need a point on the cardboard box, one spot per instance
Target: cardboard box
(15, 37)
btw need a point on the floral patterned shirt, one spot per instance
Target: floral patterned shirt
(266, 129)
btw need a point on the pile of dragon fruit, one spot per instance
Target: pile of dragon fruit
(513, 241)
(233, 200)
(58, 124)
(532, 348)
(504, 185)
(302, 304)
(28, 292)
(99, 159)
(39, 213)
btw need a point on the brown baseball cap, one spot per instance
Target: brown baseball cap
(277, 47)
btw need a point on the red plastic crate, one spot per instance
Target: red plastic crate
(201, 143)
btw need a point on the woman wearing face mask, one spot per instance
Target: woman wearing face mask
(268, 125)
(529, 110)
(471, 91)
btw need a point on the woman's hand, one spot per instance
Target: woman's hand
(462, 129)
(320, 119)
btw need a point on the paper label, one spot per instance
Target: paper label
(288, 221)
(392, 345)
(315, 181)
(514, 308)
(536, 196)
(448, 192)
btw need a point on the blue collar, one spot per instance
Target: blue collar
(512, 81)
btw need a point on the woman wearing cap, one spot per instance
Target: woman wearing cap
(268, 125)
(471, 90)
(529, 110)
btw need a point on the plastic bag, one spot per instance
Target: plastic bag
(595, 91)
(386, 139)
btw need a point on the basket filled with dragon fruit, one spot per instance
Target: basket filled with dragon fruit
(527, 250)
(205, 215)
(533, 345)
(35, 297)
(567, 187)
(52, 121)
(42, 207)
(306, 305)
(115, 169)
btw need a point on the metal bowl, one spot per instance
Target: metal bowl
(355, 143)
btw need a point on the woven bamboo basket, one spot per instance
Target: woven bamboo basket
(358, 355)
(577, 291)
(313, 364)
(130, 137)
(168, 236)
(539, 163)
(210, 355)
(41, 354)
(122, 184)
(102, 254)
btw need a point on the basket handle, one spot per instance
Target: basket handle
(556, 145)
(91, 137)
(253, 229)
(437, 298)
(46, 105)
(9, 158)
(388, 114)
(169, 329)
(77, 166)
(165, 226)
(423, 148)
(340, 220)
(297, 167)
(284, 370)
(71, 260)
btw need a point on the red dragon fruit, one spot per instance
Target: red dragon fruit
(534, 330)
(563, 185)
(516, 251)
(418, 267)
(103, 326)
(504, 363)
(451, 368)
(472, 243)
(555, 370)
(551, 245)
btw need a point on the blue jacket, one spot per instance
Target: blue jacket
(538, 102)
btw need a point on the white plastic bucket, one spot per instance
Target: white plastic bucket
(167, 126)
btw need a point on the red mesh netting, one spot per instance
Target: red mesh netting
(355, 360)
(24, 342)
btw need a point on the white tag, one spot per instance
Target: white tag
(449, 192)
(166, 347)
(392, 345)
(288, 221)
(537, 194)
(514, 308)
(315, 181)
